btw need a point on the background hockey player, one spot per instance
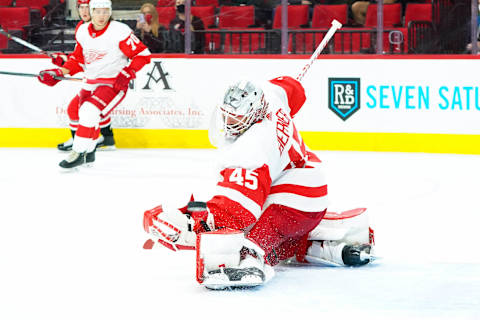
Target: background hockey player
(109, 52)
(106, 140)
(270, 199)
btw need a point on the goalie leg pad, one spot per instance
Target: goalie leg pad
(341, 239)
(350, 226)
(226, 259)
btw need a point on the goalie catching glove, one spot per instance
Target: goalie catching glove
(177, 229)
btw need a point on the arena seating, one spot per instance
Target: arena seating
(324, 14)
(6, 3)
(297, 16)
(418, 12)
(392, 15)
(39, 5)
(165, 3)
(207, 3)
(206, 13)
(234, 29)
(236, 17)
(244, 41)
(12, 18)
(418, 26)
(165, 15)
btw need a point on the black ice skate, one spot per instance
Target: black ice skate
(90, 158)
(334, 253)
(65, 146)
(73, 160)
(105, 143)
(356, 255)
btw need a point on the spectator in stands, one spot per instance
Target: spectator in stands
(359, 9)
(149, 30)
(468, 49)
(177, 31)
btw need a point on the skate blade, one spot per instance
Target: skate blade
(69, 170)
(218, 283)
(77, 168)
(106, 148)
(370, 257)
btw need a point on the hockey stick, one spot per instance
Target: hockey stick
(24, 43)
(88, 81)
(335, 25)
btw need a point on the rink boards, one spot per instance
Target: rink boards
(426, 104)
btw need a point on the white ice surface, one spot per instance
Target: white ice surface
(71, 243)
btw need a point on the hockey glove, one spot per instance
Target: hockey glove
(203, 219)
(170, 227)
(48, 76)
(59, 59)
(123, 79)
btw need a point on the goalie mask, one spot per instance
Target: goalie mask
(243, 105)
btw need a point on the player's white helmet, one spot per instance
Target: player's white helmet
(100, 4)
(243, 105)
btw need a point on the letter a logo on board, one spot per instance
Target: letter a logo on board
(344, 96)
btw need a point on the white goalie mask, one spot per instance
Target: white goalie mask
(243, 105)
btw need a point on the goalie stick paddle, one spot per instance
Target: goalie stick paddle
(335, 26)
(88, 81)
(24, 43)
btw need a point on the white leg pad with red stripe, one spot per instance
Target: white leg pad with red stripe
(351, 227)
(226, 259)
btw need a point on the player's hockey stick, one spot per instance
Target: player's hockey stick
(335, 26)
(88, 81)
(24, 43)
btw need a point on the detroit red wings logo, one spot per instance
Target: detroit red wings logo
(94, 55)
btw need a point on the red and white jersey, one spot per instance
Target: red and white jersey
(269, 164)
(70, 56)
(105, 53)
